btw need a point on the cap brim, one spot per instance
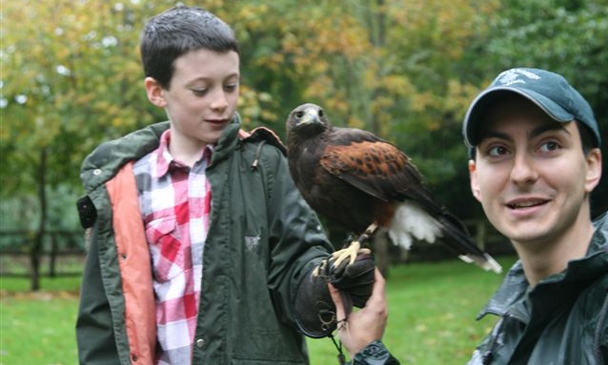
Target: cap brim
(480, 105)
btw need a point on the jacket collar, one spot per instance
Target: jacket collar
(579, 273)
(105, 161)
(227, 142)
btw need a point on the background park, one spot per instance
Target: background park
(404, 69)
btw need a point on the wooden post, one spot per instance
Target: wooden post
(53, 256)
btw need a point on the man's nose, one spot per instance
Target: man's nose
(524, 169)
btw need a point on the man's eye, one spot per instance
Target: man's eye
(497, 151)
(549, 146)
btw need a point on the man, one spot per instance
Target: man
(535, 148)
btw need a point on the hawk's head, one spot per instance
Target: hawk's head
(307, 120)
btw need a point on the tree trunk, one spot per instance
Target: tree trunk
(36, 249)
(377, 26)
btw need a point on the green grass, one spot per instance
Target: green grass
(14, 285)
(432, 316)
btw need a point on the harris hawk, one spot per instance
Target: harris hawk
(368, 186)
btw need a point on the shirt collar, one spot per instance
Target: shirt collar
(165, 161)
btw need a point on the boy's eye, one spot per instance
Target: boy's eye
(199, 91)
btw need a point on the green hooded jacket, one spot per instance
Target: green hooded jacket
(563, 320)
(263, 239)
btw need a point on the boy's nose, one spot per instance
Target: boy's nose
(220, 102)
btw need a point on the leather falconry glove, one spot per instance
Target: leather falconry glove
(315, 311)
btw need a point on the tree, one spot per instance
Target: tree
(51, 97)
(74, 79)
(71, 75)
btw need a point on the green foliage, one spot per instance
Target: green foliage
(404, 70)
(565, 36)
(22, 213)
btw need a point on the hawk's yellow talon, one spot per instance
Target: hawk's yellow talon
(349, 253)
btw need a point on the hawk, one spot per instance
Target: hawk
(368, 186)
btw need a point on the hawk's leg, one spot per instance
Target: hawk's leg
(349, 253)
(353, 249)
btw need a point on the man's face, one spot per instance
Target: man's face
(202, 97)
(531, 175)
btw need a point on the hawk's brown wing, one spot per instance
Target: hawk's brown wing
(372, 165)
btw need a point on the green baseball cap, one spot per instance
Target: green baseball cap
(549, 91)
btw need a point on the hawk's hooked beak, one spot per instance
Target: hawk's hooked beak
(308, 116)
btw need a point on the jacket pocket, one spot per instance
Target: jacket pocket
(166, 248)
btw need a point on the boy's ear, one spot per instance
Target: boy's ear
(155, 92)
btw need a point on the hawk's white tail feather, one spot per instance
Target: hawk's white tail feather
(412, 221)
(488, 264)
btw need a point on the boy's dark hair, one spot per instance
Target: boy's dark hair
(177, 31)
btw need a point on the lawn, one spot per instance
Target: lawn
(432, 316)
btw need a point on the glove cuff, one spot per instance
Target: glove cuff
(356, 279)
(315, 312)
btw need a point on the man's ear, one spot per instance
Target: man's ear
(155, 92)
(473, 180)
(594, 169)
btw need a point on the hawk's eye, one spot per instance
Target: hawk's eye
(299, 114)
(321, 113)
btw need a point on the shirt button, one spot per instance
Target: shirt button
(200, 343)
(96, 171)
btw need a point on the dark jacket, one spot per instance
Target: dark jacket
(263, 238)
(563, 320)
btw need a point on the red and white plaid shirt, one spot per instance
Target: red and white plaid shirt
(175, 201)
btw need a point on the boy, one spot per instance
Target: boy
(200, 245)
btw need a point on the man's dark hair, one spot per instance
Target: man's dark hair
(587, 139)
(177, 31)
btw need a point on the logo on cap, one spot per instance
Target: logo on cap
(514, 76)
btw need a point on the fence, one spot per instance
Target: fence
(62, 253)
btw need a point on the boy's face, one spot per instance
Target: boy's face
(531, 175)
(202, 96)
